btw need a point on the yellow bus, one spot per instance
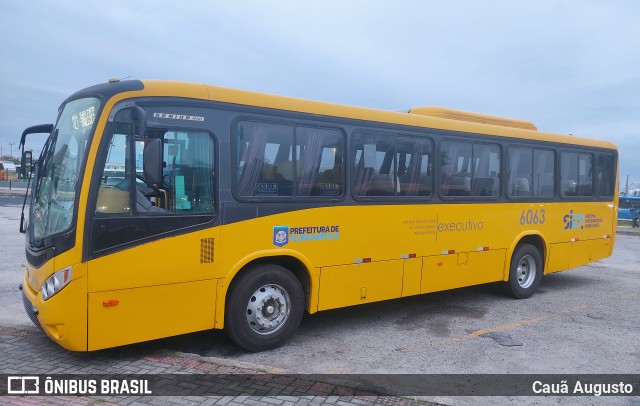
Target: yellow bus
(162, 208)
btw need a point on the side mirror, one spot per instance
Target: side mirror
(26, 163)
(152, 160)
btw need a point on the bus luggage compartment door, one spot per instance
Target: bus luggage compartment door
(443, 272)
(348, 285)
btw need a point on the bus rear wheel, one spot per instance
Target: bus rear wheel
(264, 307)
(525, 272)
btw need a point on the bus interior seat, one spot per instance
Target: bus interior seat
(329, 182)
(459, 185)
(285, 169)
(383, 185)
(585, 186)
(421, 188)
(143, 204)
(569, 187)
(268, 173)
(520, 187)
(333, 175)
(486, 187)
(271, 175)
(546, 185)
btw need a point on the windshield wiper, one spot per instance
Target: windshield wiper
(24, 203)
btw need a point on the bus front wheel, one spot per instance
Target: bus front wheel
(264, 307)
(525, 272)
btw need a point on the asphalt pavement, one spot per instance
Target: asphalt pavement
(580, 321)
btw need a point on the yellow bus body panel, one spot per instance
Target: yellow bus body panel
(162, 288)
(481, 236)
(149, 313)
(559, 256)
(160, 262)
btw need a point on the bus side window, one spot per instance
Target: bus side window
(374, 165)
(605, 179)
(544, 173)
(486, 170)
(569, 172)
(319, 160)
(577, 174)
(415, 158)
(520, 170)
(189, 175)
(455, 170)
(585, 174)
(264, 150)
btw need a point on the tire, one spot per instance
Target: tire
(525, 272)
(264, 307)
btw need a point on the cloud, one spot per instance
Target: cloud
(568, 66)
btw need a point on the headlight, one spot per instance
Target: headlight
(55, 283)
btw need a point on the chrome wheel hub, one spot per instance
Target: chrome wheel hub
(268, 309)
(526, 271)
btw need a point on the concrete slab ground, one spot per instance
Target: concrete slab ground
(580, 321)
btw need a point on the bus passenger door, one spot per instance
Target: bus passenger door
(151, 268)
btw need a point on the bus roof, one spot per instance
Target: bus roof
(429, 117)
(460, 115)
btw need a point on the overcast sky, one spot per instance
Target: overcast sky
(568, 66)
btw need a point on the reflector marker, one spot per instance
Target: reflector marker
(110, 302)
(362, 260)
(606, 236)
(407, 256)
(446, 252)
(482, 249)
(575, 239)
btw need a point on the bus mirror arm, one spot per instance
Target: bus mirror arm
(140, 115)
(36, 129)
(41, 128)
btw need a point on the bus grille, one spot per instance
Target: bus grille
(31, 311)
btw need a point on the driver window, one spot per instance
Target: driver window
(183, 183)
(114, 194)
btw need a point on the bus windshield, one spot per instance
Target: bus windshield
(59, 170)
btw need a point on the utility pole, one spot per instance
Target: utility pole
(11, 145)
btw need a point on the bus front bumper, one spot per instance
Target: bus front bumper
(63, 317)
